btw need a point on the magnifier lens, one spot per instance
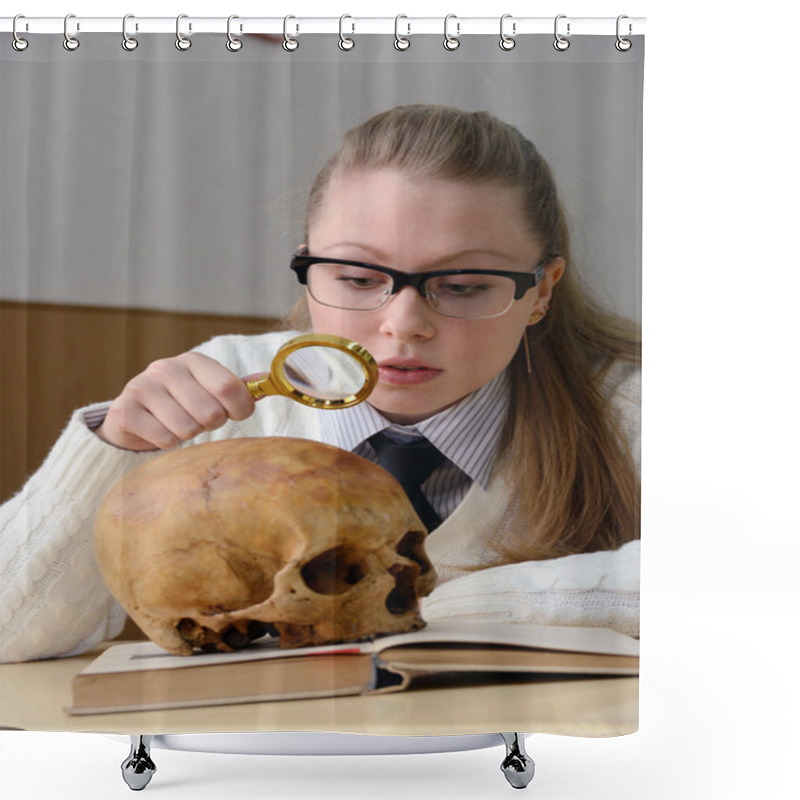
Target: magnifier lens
(324, 373)
(319, 370)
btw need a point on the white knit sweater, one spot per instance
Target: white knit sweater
(54, 602)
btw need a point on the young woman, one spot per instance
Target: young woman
(435, 239)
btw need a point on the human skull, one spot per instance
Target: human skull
(211, 546)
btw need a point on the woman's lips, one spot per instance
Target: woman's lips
(407, 372)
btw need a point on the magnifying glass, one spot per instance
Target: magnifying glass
(319, 370)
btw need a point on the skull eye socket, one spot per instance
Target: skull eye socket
(333, 572)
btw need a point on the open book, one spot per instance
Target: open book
(141, 675)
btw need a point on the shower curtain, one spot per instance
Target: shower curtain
(152, 197)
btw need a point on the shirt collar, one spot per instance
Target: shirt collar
(468, 432)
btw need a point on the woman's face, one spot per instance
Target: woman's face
(381, 216)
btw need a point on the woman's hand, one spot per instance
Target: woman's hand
(174, 400)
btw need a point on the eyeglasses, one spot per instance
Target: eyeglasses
(461, 293)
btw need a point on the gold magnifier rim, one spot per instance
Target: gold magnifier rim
(280, 384)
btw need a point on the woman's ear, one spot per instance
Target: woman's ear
(553, 272)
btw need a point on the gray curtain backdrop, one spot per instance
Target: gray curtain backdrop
(176, 180)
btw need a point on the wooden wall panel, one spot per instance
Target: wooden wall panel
(54, 359)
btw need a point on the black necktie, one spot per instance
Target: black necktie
(411, 463)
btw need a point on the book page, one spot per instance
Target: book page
(140, 656)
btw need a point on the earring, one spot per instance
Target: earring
(527, 349)
(537, 316)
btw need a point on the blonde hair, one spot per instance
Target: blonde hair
(575, 482)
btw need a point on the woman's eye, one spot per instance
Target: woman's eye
(463, 289)
(361, 281)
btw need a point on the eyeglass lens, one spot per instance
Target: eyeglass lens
(357, 288)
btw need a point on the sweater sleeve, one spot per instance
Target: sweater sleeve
(54, 601)
(588, 590)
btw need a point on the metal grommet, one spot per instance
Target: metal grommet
(400, 42)
(70, 42)
(18, 43)
(233, 44)
(623, 45)
(344, 42)
(451, 42)
(129, 43)
(507, 42)
(290, 44)
(561, 43)
(181, 42)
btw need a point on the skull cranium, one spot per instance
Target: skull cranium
(211, 546)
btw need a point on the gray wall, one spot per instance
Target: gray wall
(166, 180)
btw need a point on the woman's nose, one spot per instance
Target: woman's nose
(408, 315)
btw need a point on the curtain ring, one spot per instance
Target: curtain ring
(623, 45)
(18, 43)
(181, 42)
(344, 42)
(400, 42)
(290, 44)
(233, 44)
(129, 43)
(451, 42)
(561, 43)
(70, 42)
(507, 42)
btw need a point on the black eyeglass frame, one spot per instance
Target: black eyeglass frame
(523, 281)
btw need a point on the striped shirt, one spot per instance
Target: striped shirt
(468, 433)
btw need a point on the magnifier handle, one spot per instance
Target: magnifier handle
(259, 385)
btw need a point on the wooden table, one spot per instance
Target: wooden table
(33, 697)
